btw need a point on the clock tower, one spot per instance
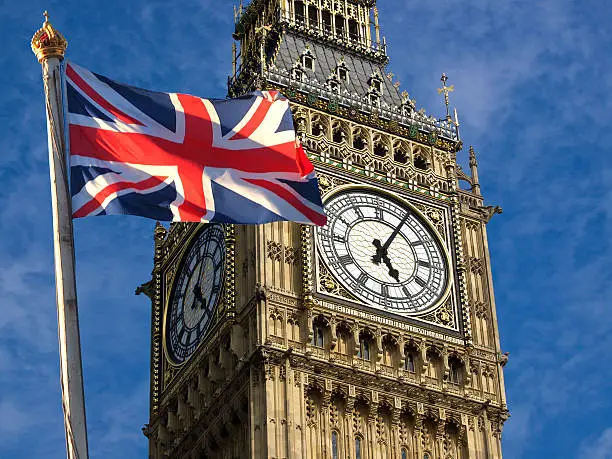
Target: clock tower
(373, 337)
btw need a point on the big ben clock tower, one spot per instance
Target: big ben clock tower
(373, 337)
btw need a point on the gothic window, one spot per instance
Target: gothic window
(364, 348)
(409, 362)
(387, 354)
(334, 441)
(426, 456)
(338, 135)
(400, 156)
(342, 342)
(339, 25)
(404, 453)
(434, 369)
(358, 143)
(420, 163)
(343, 74)
(327, 21)
(317, 335)
(313, 19)
(455, 367)
(300, 11)
(380, 149)
(353, 31)
(358, 448)
(316, 129)
(308, 62)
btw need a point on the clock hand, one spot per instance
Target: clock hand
(394, 273)
(381, 250)
(396, 232)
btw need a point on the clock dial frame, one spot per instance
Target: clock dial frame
(383, 251)
(195, 294)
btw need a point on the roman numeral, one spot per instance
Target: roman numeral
(420, 281)
(339, 238)
(345, 259)
(180, 335)
(415, 243)
(405, 290)
(424, 264)
(362, 278)
(385, 291)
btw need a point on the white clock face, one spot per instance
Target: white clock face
(196, 293)
(382, 252)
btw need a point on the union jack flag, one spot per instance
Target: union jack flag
(177, 157)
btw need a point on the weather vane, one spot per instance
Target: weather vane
(446, 89)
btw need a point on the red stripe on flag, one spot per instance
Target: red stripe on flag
(99, 198)
(255, 121)
(313, 216)
(144, 149)
(87, 89)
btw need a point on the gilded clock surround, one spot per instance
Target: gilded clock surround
(170, 249)
(436, 218)
(265, 383)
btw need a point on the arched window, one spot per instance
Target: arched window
(380, 149)
(420, 163)
(358, 143)
(300, 11)
(338, 135)
(404, 453)
(327, 21)
(353, 31)
(358, 448)
(409, 362)
(400, 156)
(455, 367)
(339, 25)
(334, 445)
(364, 349)
(308, 62)
(334, 86)
(313, 16)
(317, 335)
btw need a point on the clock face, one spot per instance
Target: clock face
(382, 252)
(196, 293)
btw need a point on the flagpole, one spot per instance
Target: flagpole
(49, 47)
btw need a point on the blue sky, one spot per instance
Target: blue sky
(533, 90)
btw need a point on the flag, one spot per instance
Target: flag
(176, 157)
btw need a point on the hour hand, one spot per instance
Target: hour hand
(394, 273)
(381, 252)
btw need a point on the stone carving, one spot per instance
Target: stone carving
(274, 250)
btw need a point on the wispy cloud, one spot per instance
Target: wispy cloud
(599, 447)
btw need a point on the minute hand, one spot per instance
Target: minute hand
(381, 250)
(395, 232)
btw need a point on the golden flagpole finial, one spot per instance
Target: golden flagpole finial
(446, 89)
(48, 42)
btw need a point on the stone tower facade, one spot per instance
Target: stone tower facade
(374, 337)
